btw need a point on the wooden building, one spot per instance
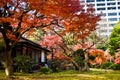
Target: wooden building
(29, 48)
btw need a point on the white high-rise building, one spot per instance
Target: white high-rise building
(110, 10)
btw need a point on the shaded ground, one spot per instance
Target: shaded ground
(94, 74)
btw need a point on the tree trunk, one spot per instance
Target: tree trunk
(8, 63)
(75, 64)
(86, 67)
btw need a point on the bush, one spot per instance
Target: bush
(110, 65)
(115, 66)
(22, 63)
(56, 65)
(45, 70)
(79, 57)
(106, 65)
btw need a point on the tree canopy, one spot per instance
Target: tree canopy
(20, 16)
(114, 43)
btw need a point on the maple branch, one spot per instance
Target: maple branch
(55, 21)
(89, 47)
(19, 24)
(63, 42)
(73, 37)
(15, 6)
(92, 45)
(58, 34)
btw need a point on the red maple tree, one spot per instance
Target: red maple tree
(20, 16)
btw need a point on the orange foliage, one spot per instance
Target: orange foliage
(80, 46)
(11, 36)
(98, 60)
(70, 12)
(76, 47)
(58, 56)
(117, 60)
(96, 52)
(107, 56)
(99, 55)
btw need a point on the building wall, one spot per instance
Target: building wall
(110, 10)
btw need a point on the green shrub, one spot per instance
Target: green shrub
(44, 70)
(79, 57)
(106, 65)
(55, 65)
(22, 63)
(115, 66)
(110, 65)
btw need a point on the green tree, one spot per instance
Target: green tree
(114, 42)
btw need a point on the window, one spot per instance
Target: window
(90, 5)
(119, 13)
(104, 14)
(110, 0)
(110, 30)
(101, 4)
(100, 0)
(111, 8)
(112, 19)
(103, 25)
(110, 3)
(112, 25)
(118, 3)
(82, 1)
(100, 9)
(103, 30)
(112, 14)
(90, 0)
(118, 7)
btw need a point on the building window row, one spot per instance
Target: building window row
(112, 14)
(118, 7)
(90, 0)
(108, 8)
(111, 8)
(103, 4)
(101, 9)
(111, 3)
(100, 0)
(103, 30)
(103, 0)
(112, 19)
(118, 3)
(103, 14)
(110, 0)
(119, 13)
(112, 24)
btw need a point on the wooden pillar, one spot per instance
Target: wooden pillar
(45, 57)
(21, 49)
(26, 50)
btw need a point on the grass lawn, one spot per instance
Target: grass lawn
(93, 74)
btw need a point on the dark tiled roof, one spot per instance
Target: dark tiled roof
(27, 42)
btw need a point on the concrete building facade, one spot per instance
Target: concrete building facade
(110, 10)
